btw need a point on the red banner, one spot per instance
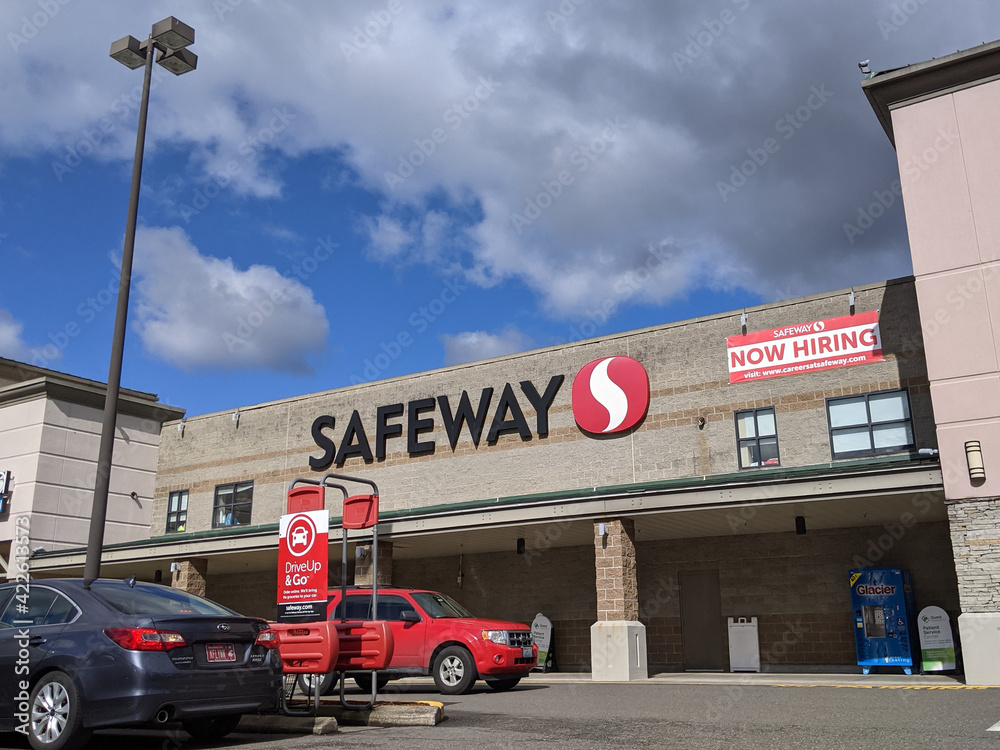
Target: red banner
(303, 558)
(806, 347)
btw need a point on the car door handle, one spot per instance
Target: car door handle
(36, 640)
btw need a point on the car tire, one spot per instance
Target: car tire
(211, 727)
(504, 683)
(56, 719)
(327, 684)
(364, 681)
(454, 671)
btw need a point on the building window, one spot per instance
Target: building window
(232, 504)
(177, 511)
(870, 424)
(757, 438)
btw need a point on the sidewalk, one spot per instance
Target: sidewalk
(772, 679)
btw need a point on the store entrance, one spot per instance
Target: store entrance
(702, 636)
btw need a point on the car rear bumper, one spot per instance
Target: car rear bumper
(192, 694)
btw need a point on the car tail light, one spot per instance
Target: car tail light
(145, 639)
(268, 638)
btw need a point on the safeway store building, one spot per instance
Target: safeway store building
(772, 451)
(697, 486)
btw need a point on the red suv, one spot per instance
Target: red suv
(436, 635)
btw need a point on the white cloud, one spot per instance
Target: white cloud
(196, 311)
(12, 346)
(386, 236)
(472, 346)
(479, 107)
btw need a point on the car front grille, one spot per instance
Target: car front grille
(518, 638)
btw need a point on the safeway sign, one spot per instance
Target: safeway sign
(302, 565)
(807, 347)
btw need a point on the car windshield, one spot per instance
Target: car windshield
(440, 606)
(149, 599)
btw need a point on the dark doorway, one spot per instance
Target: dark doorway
(702, 637)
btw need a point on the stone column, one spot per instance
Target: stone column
(363, 565)
(975, 542)
(191, 576)
(617, 639)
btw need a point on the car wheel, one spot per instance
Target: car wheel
(364, 681)
(505, 683)
(454, 671)
(327, 683)
(56, 719)
(211, 727)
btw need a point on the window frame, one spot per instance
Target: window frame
(229, 508)
(873, 451)
(177, 514)
(756, 439)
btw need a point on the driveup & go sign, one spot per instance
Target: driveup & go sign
(806, 347)
(302, 566)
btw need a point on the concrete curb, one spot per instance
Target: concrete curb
(279, 724)
(331, 715)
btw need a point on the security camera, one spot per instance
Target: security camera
(865, 70)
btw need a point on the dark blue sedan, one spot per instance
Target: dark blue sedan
(122, 653)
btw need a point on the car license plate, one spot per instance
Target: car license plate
(220, 652)
(526, 652)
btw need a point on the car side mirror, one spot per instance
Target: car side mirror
(408, 615)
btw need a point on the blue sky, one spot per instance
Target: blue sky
(353, 191)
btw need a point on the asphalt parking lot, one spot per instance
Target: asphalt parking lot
(687, 712)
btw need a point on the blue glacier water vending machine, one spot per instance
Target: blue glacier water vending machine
(884, 618)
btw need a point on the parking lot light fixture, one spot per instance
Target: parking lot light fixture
(169, 38)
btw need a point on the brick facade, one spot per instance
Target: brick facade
(615, 567)
(191, 576)
(272, 443)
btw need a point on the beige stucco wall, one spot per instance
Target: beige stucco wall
(948, 153)
(51, 446)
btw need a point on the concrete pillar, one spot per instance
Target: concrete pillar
(975, 541)
(191, 576)
(617, 639)
(363, 565)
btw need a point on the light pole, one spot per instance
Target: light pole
(170, 38)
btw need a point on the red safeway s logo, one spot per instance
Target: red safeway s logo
(610, 395)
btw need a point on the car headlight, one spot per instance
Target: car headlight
(497, 636)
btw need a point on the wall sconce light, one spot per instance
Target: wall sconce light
(602, 529)
(158, 576)
(974, 457)
(743, 323)
(180, 428)
(175, 567)
(800, 524)
(520, 545)
(701, 423)
(850, 302)
(360, 553)
(236, 417)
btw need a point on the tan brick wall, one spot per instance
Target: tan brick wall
(797, 587)
(254, 594)
(271, 443)
(363, 567)
(191, 576)
(615, 563)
